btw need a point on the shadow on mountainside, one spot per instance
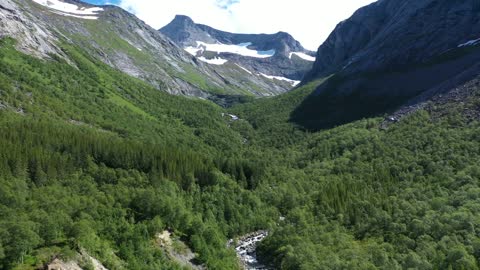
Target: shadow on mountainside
(346, 98)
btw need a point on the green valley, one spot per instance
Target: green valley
(94, 159)
(121, 149)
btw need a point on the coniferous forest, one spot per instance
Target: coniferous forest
(91, 159)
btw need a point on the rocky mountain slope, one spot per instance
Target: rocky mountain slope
(121, 40)
(390, 52)
(277, 55)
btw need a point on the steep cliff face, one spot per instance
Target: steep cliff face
(277, 56)
(33, 37)
(387, 54)
(389, 34)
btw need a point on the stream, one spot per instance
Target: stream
(246, 250)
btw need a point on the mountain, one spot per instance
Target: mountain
(389, 53)
(123, 41)
(273, 56)
(101, 170)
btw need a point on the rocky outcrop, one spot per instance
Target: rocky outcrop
(82, 261)
(32, 37)
(387, 54)
(177, 251)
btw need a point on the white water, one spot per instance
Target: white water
(246, 250)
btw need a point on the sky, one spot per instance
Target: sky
(308, 21)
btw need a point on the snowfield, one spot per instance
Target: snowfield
(240, 49)
(76, 16)
(303, 56)
(67, 9)
(293, 82)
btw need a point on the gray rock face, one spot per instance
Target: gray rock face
(32, 37)
(184, 32)
(396, 33)
(387, 54)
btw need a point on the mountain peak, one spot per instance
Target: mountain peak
(283, 34)
(182, 19)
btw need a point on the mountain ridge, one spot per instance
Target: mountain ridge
(283, 55)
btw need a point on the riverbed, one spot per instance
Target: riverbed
(246, 247)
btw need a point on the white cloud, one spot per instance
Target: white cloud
(309, 21)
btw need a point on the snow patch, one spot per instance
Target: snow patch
(246, 70)
(67, 9)
(215, 61)
(193, 51)
(469, 43)
(293, 82)
(241, 49)
(304, 56)
(76, 16)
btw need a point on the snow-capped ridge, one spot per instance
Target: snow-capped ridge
(248, 55)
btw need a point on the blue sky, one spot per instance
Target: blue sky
(309, 21)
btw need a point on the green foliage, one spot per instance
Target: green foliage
(91, 159)
(100, 161)
(360, 197)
